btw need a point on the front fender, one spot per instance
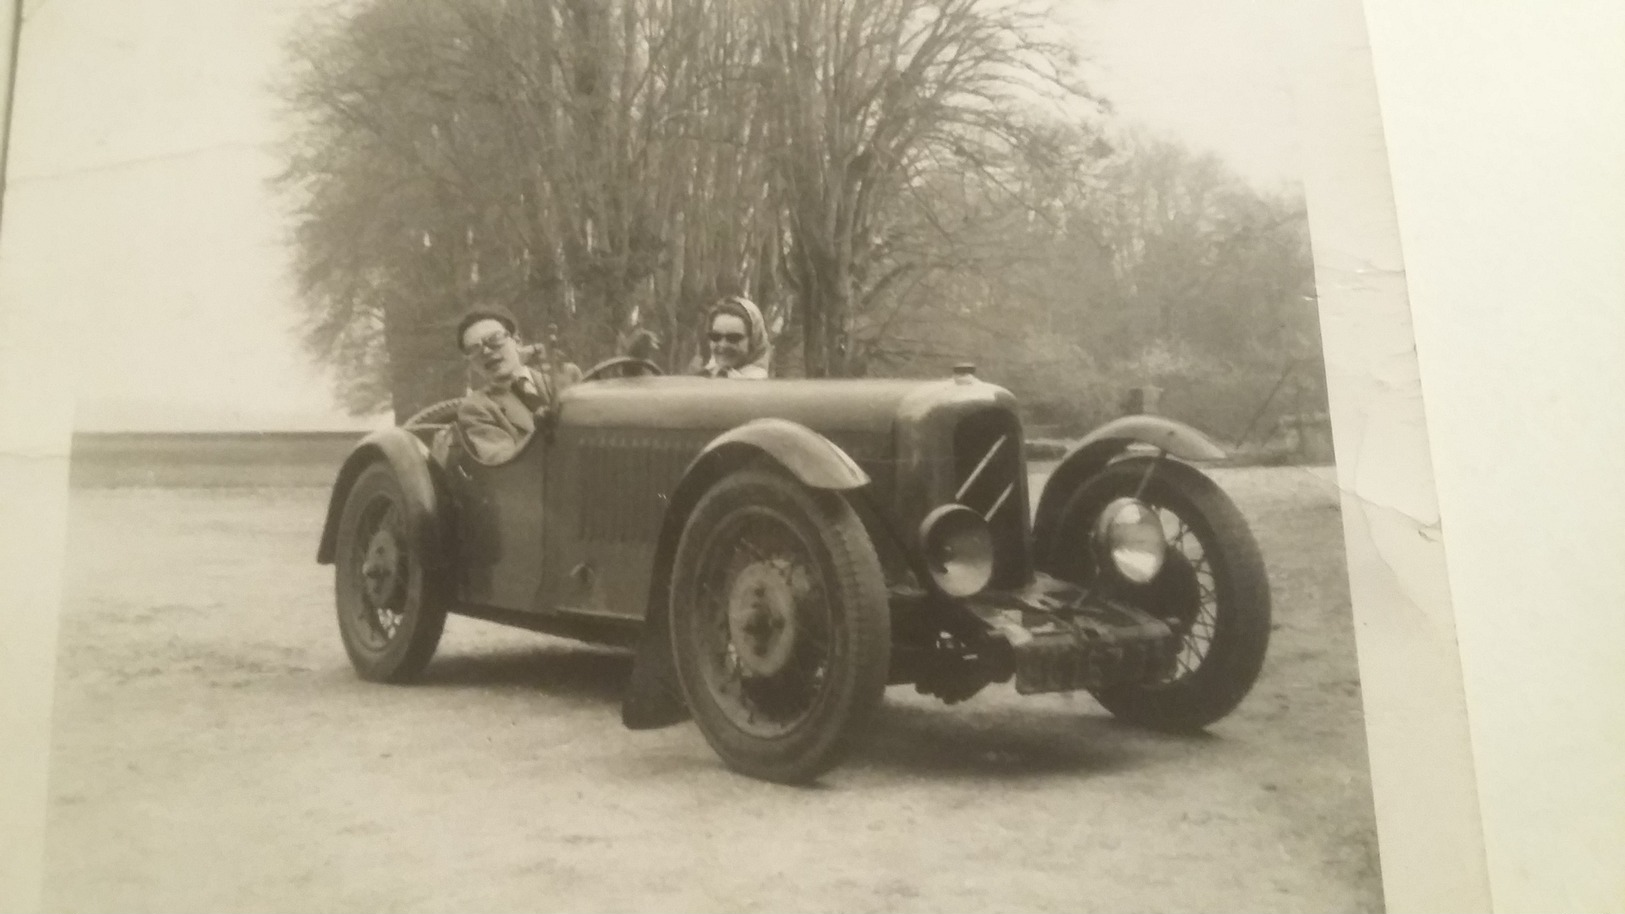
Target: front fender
(409, 459)
(809, 456)
(1099, 447)
(653, 697)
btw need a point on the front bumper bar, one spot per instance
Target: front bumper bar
(1062, 638)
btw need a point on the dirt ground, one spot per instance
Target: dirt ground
(213, 751)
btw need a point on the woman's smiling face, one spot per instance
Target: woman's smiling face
(730, 340)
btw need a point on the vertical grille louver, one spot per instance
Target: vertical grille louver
(628, 476)
(991, 479)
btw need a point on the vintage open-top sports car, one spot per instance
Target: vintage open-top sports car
(778, 552)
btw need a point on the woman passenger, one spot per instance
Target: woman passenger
(737, 337)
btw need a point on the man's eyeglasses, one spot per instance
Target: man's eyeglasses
(734, 338)
(492, 341)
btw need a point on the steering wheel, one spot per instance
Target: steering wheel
(625, 366)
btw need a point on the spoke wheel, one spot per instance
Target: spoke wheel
(391, 609)
(780, 628)
(1212, 590)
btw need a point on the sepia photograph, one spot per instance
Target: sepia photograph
(694, 455)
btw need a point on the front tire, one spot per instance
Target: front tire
(780, 626)
(1213, 589)
(391, 606)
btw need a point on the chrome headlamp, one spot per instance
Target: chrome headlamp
(958, 549)
(1129, 535)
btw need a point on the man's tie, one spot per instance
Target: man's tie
(525, 389)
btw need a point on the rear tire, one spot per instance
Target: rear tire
(780, 627)
(391, 605)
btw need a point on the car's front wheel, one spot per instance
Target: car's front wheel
(391, 607)
(780, 629)
(1212, 589)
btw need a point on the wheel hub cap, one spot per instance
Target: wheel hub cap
(762, 619)
(380, 570)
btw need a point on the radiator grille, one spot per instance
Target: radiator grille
(991, 478)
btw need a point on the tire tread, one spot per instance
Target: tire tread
(856, 574)
(397, 663)
(1236, 656)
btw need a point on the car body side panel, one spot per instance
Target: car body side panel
(613, 490)
(585, 542)
(604, 514)
(499, 524)
(619, 450)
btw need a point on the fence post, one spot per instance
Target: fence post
(1141, 400)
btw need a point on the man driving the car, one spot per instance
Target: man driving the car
(502, 410)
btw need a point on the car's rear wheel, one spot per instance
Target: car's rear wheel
(1212, 589)
(391, 606)
(780, 629)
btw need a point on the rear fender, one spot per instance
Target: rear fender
(1099, 448)
(653, 697)
(408, 457)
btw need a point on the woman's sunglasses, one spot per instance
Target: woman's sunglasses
(734, 338)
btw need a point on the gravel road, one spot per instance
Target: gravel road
(213, 751)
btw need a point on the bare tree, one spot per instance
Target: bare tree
(866, 97)
(876, 173)
(384, 216)
(581, 161)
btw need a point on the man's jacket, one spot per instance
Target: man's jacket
(495, 421)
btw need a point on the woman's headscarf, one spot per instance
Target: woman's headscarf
(758, 352)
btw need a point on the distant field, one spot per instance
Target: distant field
(207, 459)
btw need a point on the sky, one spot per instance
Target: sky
(1215, 74)
(144, 135)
